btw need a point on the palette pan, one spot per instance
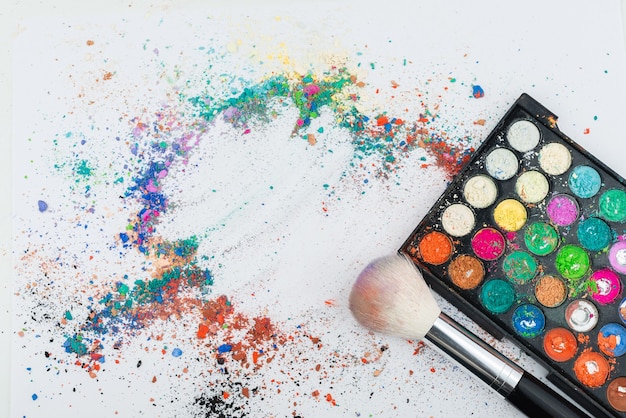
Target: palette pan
(529, 241)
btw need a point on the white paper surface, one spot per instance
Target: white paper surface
(283, 222)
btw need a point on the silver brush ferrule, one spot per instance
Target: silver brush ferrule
(477, 356)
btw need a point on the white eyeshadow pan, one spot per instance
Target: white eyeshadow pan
(523, 135)
(480, 191)
(501, 164)
(458, 220)
(555, 159)
(532, 186)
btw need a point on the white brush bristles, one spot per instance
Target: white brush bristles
(390, 296)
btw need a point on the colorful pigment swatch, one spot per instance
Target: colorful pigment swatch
(539, 252)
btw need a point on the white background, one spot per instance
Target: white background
(551, 51)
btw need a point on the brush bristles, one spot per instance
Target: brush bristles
(391, 297)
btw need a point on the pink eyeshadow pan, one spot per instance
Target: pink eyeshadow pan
(488, 244)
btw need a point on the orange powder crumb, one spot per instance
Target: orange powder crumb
(435, 248)
(203, 330)
(591, 369)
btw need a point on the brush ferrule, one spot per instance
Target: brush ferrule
(477, 356)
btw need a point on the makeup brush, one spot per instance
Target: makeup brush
(390, 296)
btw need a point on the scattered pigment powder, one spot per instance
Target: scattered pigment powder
(501, 164)
(594, 234)
(581, 315)
(550, 291)
(523, 135)
(584, 181)
(616, 393)
(532, 186)
(555, 159)
(497, 296)
(612, 204)
(435, 248)
(591, 369)
(466, 271)
(612, 340)
(562, 210)
(605, 286)
(528, 321)
(510, 215)
(488, 244)
(42, 206)
(519, 266)
(480, 191)
(572, 261)
(541, 238)
(617, 256)
(560, 344)
(458, 220)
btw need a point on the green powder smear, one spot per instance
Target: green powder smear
(572, 262)
(541, 238)
(612, 205)
(519, 266)
(497, 296)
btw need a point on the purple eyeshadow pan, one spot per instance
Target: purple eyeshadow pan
(562, 210)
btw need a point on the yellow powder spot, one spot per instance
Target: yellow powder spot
(510, 215)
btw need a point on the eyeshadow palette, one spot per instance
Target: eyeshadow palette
(529, 241)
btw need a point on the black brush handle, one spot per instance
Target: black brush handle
(535, 399)
(530, 395)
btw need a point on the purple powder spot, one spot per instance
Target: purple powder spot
(562, 210)
(177, 352)
(43, 206)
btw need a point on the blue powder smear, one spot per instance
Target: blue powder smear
(478, 92)
(528, 321)
(620, 332)
(584, 181)
(177, 352)
(43, 206)
(224, 348)
(594, 234)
